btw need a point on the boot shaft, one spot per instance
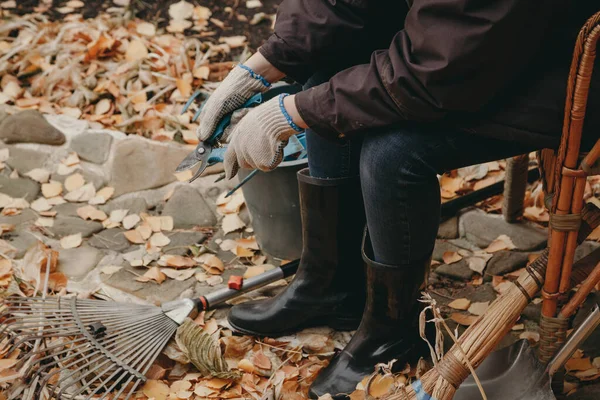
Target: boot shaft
(333, 219)
(393, 291)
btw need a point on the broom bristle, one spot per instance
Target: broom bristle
(85, 348)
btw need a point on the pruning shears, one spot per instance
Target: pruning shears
(211, 151)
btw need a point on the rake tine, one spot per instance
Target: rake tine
(96, 376)
(136, 355)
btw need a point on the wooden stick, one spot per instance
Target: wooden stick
(586, 288)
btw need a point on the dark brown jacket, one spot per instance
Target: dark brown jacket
(496, 68)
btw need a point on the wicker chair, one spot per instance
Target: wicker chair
(564, 172)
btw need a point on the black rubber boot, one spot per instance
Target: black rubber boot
(329, 287)
(389, 328)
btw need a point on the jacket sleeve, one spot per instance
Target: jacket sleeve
(451, 56)
(311, 34)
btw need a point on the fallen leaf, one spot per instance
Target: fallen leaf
(450, 257)
(166, 223)
(74, 182)
(261, 361)
(136, 51)
(381, 385)
(144, 230)
(588, 375)
(45, 222)
(181, 10)
(159, 240)
(479, 308)
(178, 275)
(134, 236)
(146, 29)
(503, 242)
(243, 252)
(579, 364)
(231, 223)
(533, 337)
(40, 175)
(83, 194)
(156, 390)
(130, 221)
(110, 269)
(51, 189)
(40, 204)
(72, 159)
(246, 365)
(91, 213)
(177, 261)
(254, 271)
(102, 196)
(71, 241)
(118, 215)
(212, 264)
(460, 304)
(153, 274)
(476, 264)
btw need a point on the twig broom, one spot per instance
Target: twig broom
(480, 339)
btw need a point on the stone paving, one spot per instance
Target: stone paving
(141, 173)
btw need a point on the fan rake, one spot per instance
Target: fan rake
(74, 348)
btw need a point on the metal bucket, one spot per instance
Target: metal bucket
(273, 201)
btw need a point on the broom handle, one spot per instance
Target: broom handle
(221, 296)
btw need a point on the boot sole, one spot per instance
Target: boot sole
(338, 324)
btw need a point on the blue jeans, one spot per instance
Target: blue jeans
(398, 173)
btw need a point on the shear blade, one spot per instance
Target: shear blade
(190, 161)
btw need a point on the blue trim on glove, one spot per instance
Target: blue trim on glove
(255, 75)
(286, 115)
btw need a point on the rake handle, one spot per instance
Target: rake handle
(211, 300)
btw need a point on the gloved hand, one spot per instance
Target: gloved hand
(241, 84)
(258, 140)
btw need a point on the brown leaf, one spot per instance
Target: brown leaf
(503, 242)
(578, 364)
(261, 361)
(153, 274)
(156, 390)
(381, 385)
(212, 264)
(177, 261)
(134, 236)
(450, 257)
(460, 304)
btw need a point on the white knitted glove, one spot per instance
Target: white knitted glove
(258, 140)
(241, 84)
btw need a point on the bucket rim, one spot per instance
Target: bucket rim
(293, 163)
